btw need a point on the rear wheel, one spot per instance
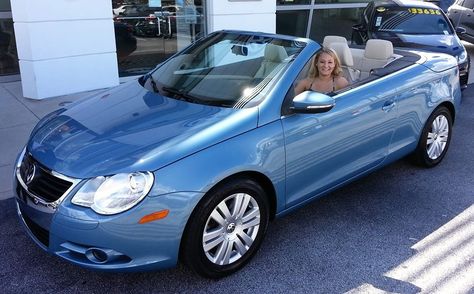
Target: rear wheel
(435, 138)
(226, 229)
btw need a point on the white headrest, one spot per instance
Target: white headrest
(378, 49)
(333, 39)
(343, 52)
(275, 53)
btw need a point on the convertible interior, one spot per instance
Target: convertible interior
(362, 64)
(235, 73)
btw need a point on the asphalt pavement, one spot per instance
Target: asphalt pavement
(402, 229)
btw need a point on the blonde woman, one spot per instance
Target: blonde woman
(325, 75)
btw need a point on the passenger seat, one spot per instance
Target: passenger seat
(273, 56)
(377, 54)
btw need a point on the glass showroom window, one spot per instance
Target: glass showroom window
(334, 22)
(342, 2)
(293, 23)
(8, 53)
(149, 31)
(293, 2)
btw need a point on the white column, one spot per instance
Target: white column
(249, 15)
(64, 46)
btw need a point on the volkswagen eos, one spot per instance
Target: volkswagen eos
(191, 161)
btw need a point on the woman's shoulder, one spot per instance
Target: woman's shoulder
(341, 81)
(340, 78)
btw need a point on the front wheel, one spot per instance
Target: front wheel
(435, 138)
(226, 229)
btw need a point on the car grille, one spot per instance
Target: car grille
(463, 79)
(40, 181)
(41, 234)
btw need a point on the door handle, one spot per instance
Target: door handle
(389, 105)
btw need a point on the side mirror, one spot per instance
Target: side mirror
(460, 31)
(312, 102)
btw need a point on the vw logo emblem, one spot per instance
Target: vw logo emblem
(30, 173)
(230, 228)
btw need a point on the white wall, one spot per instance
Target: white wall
(64, 46)
(250, 15)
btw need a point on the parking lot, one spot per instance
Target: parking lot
(402, 229)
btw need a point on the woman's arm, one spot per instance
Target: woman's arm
(341, 82)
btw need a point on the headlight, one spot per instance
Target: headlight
(114, 194)
(462, 57)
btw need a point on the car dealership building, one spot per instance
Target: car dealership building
(59, 47)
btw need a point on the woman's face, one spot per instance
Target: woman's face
(325, 64)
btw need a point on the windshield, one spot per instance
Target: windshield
(410, 20)
(224, 69)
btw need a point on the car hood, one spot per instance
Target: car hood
(129, 129)
(449, 44)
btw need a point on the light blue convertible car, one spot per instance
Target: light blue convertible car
(191, 161)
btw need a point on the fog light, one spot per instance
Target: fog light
(97, 255)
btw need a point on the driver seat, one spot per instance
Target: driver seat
(344, 53)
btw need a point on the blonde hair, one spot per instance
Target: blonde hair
(313, 72)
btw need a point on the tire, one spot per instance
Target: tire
(216, 224)
(435, 138)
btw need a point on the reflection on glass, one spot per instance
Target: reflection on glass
(334, 22)
(8, 53)
(340, 1)
(292, 2)
(5, 5)
(293, 23)
(149, 31)
(237, 66)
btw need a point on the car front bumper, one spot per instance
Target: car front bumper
(109, 243)
(464, 73)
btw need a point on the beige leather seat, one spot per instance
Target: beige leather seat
(347, 62)
(377, 54)
(273, 56)
(333, 39)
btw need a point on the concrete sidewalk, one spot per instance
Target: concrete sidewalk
(18, 116)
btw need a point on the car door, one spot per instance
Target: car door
(327, 149)
(455, 11)
(467, 17)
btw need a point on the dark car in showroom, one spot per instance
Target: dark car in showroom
(124, 40)
(148, 21)
(461, 14)
(413, 24)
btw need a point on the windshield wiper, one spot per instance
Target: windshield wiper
(180, 94)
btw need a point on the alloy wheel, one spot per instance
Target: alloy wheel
(437, 137)
(231, 229)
